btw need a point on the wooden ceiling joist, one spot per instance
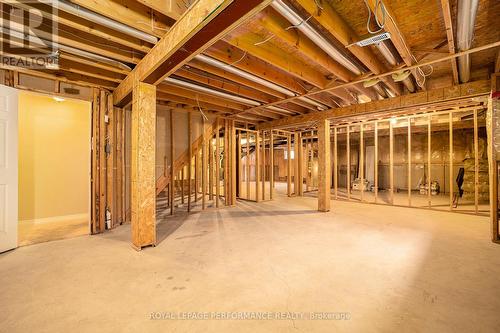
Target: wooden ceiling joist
(202, 24)
(445, 6)
(336, 25)
(277, 25)
(235, 78)
(249, 42)
(129, 12)
(171, 8)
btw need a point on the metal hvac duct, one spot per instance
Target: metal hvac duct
(466, 18)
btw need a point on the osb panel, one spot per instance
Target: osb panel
(143, 186)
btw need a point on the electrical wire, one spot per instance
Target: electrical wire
(380, 24)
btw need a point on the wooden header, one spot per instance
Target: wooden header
(200, 26)
(470, 89)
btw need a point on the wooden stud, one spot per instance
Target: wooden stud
(143, 183)
(391, 160)
(348, 184)
(233, 163)
(409, 161)
(95, 162)
(211, 168)
(362, 160)
(296, 139)
(247, 164)
(203, 166)
(103, 103)
(335, 164)
(257, 167)
(172, 164)
(376, 161)
(450, 123)
(190, 156)
(110, 161)
(123, 167)
(271, 162)
(289, 167)
(263, 165)
(476, 164)
(118, 219)
(182, 183)
(429, 160)
(217, 162)
(226, 162)
(324, 167)
(493, 174)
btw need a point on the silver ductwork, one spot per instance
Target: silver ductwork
(466, 18)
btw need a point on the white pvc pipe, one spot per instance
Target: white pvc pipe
(189, 85)
(105, 21)
(314, 36)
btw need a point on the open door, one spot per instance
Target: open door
(8, 168)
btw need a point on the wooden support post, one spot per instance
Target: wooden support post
(226, 162)
(450, 157)
(143, 183)
(476, 164)
(239, 157)
(493, 173)
(217, 162)
(172, 164)
(308, 164)
(271, 162)
(203, 166)
(348, 130)
(429, 152)
(289, 167)
(324, 167)
(123, 168)
(376, 161)
(257, 166)
(190, 157)
(409, 161)
(362, 161)
(391, 160)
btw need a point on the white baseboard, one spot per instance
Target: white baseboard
(52, 219)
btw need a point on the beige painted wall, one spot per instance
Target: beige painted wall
(54, 157)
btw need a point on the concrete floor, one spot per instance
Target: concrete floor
(390, 268)
(33, 233)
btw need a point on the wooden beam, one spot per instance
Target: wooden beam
(409, 161)
(423, 98)
(257, 166)
(348, 151)
(445, 7)
(493, 172)
(335, 162)
(336, 25)
(376, 160)
(450, 157)
(324, 167)
(391, 161)
(202, 24)
(143, 182)
(476, 164)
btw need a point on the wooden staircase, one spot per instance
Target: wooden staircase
(164, 180)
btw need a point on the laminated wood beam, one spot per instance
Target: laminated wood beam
(143, 182)
(170, 8)
(394, 104)
(200, 26)
(324, 167)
